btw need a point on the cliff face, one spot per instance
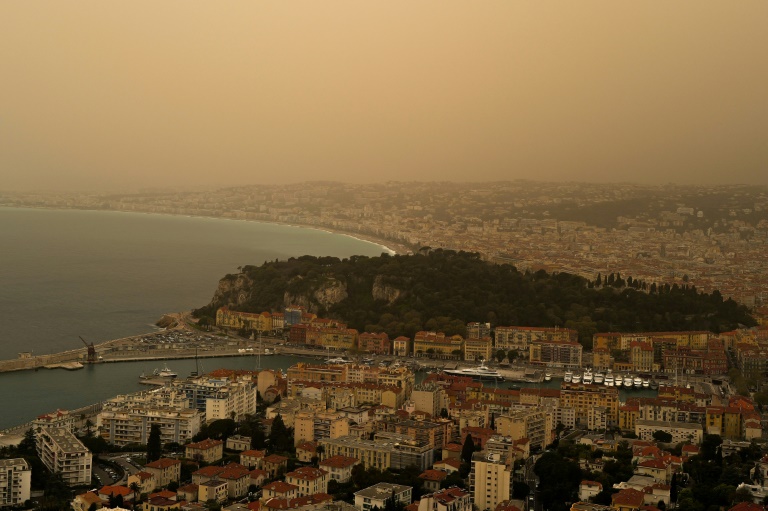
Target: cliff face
(329, 293)
(233, 291)
(385, 292)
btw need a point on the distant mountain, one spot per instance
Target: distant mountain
(442, 290)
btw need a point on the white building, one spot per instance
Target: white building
(62, 453)
(128, 419)
(376, 495)
(15, 479)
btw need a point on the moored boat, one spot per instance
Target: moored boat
(568, 376)
(599, 378)
(481, 372)
(609, 380)
(588, 377)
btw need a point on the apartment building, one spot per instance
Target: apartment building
(532, 423)
(374, 343)
(490, 479)
(582, 398)
(15, 481)
(478, 349)
(209, 451)
(681, 432)
(128, 419)
(390, 450)
(339, 468)
(308, 480)
(641, 356)
(402, 346)
(58, 419)
(377, 495)
(438, 345)
(556, 353)
(429, 398)
(164, 471)
(62, 453)
(520, 337)
(315, 425)
(449, 499)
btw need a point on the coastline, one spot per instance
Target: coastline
(390, 246)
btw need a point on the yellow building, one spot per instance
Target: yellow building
(628, 415)
(338, 338)
(478, 349)
(641, 355)
(438, 345)
(582, 398)
(490, 479)
(534, 424)
(402, 347)
(601, 359)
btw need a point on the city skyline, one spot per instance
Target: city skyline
(101, 97)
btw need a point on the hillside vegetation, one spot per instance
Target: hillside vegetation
(443, 290)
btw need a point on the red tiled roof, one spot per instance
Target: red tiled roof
(162, 463)
(275, 459)
(433, 475)
(279, 487)
(339, 461)
(205, 444)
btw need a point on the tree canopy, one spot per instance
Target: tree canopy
(444, 290)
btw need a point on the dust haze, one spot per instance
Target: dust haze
(119, 96)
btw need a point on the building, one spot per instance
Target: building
(252, 458)
(641, 356)
(478, 349)
(339, 468)
(681, 432)
(490, 479)
(556, 353)
(519, 338)
(313, 425)
(238, 443)
(377, 495)
(429, 398)
(15, 481)
(129, 419)
(582, 398)
(308, 480)
(438, 345)
(449, 499)
(58, 419)
(374, 343)
(532, 423)
(164, 471)
(62, 453)
(402, 346)
(214, 489)
(387, 450)
(208, 451)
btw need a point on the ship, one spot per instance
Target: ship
(568, 376)
(618, 381)
(588, 378)
(609, 380)
(599, 378)
(576, 378)
(165, 372)
(476, 373)
(628, 381)
(638, 382)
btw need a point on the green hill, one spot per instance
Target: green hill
(443, 290)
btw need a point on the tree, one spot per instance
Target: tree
(154, 444)
(280, 436)
(136, 489)
(662, 436)
(673, 489)
(501, 355)
(467, 449)
(444, 413)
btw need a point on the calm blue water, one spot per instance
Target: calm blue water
(106, 275)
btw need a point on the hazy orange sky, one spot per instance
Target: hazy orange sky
(123, 95)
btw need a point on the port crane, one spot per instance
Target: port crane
(91, 359)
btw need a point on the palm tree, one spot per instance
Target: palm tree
(136, 489)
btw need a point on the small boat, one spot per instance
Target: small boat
(547, 376)
(338, 360)
(628, 381)
(619, 381)
(654, 385)
(166, 372)
(367, 361)
(609, 380)
(568, 377)
(638, 382)
(599, 378)
(588, 377)
(267, 352)
(646, 383)
(576, 378)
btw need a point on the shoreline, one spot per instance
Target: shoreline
(394, 248)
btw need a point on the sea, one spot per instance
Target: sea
(101, 275)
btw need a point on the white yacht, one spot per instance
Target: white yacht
(547, 376)
(599, 378)
(628, 381)
(609, 380)
(588, 377)
(568, 376)
(338, 360)
(618, 381)
(481, 372)
(646, 383)
(165, 372)
(576, 378)
(638, 382)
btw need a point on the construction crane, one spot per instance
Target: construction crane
(91, 351)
